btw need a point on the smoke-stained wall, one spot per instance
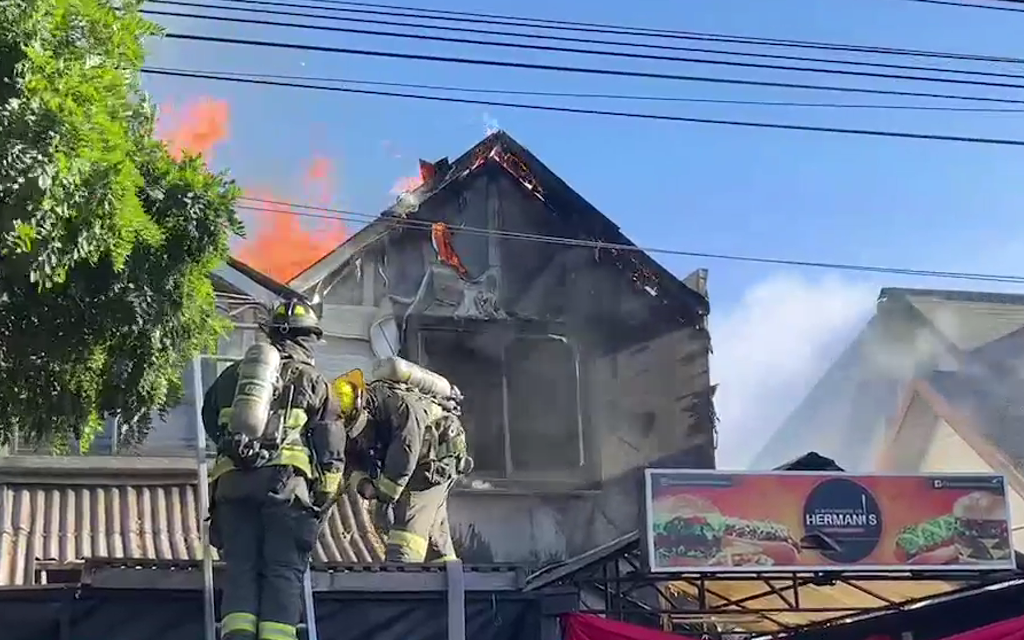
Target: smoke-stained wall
(575, 378)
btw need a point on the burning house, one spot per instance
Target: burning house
(582, 361)
(581, 358)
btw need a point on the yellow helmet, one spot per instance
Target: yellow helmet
(349, 390)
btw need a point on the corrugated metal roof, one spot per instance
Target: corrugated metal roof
(66, 510)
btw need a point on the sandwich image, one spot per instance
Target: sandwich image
(772, 540)
(932, 542)
(695, 533)
(976, 531)
(984, 533)
(692, 534)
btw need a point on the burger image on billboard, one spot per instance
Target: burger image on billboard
(692, 533)
(984, 533)
(976, 532)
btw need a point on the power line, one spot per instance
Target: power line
(371, 8)
(952, 3)
(592, 96)
(343, 216)
(612, 54)
(583, 70)
(554, 38)
(598, 112)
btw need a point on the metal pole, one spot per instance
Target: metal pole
(307, 588)
(456, 599)
(203, 490)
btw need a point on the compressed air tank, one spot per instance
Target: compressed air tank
(254, 394)
(398, 369)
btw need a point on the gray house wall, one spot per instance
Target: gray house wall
(543, 487)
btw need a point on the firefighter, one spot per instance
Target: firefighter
(281, 447)
(406, 451)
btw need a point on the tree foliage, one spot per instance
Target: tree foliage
(106, 242)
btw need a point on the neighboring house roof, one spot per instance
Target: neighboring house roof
(913, 332)
(239, 278)
(979, 409)
(64, 510)
(499, 149)
(968, 318)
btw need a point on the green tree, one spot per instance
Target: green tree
(106, 242)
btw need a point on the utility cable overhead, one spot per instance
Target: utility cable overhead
(583, 70)
(965, 5)
(554, 38)
(620, 114)
(613, 54)
(595, 96)
(370, 8)
(352, 216)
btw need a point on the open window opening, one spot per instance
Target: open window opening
(542, 382)
(522, 398)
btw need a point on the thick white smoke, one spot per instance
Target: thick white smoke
(772, 347)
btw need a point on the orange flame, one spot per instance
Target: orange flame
(405, 185)
(281, 243)
(284, 243)
(194, 129)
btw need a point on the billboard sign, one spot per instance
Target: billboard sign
(721, 521)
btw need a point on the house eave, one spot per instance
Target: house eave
(551, 190)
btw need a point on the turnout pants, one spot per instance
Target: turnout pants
(421, 532)
(265, 531)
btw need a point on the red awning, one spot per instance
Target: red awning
(581, 626)
(1012, 629)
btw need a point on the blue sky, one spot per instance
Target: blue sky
(811, 196)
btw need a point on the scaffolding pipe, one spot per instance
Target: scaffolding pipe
(456, 580)
(307, 589)
(209, 615)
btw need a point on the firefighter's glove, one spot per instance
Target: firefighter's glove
(384, 516)
(322, 500)
(366, 489)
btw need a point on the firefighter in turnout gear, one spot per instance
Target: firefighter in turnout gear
(279, 467)
(407, 447)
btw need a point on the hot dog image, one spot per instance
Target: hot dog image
(932, 542)
(770, 539)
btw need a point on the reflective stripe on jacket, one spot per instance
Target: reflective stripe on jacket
(292, 452)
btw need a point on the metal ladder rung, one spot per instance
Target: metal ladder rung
(300, 627)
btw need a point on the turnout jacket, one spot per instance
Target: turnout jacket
(314, 442)
(409, 438)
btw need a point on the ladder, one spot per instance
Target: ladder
(211, 626)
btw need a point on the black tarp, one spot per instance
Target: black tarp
(155, 614)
